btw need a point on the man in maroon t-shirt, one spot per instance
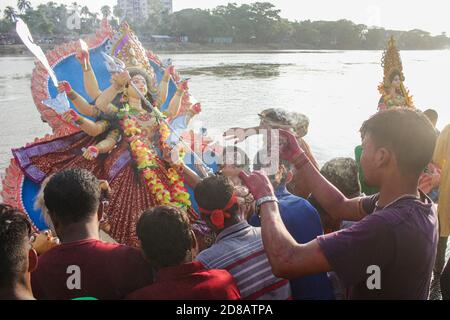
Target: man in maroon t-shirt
(170, 245)
(84, 266)
(390, 252)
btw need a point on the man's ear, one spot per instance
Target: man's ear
(32, 260)
(100, 212)
(383, 157)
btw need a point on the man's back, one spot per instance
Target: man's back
(239, 250)
(90, 268)
(388, 255)
(190, 281)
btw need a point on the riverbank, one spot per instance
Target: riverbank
(19, 49)
(166, 48)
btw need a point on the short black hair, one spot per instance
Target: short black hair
(15, 232)
(343, 174)
(72, 195)
(407, 133)
(432, 115)
(214, 193)
(165, 235)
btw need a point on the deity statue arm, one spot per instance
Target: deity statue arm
(163, 88)
(89, 78)
(88, 126)
(109, 142)
(118, 83)
(91, 83)
(103, 146)
(78, 101)
(175, 103)
(92, 128)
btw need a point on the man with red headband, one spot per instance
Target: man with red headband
(238, 248)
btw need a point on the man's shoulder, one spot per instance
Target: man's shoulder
(95, 249)
(149, 292)
(222, 252)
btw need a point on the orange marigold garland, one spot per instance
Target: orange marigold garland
(173, 192)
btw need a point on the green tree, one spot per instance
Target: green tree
(106, 11)
(23, 5)
(9, 14)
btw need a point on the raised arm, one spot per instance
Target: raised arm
(328, 196)
(175, 103)
(240, 134)
(288, 258)
(164, 87)
(89, 78)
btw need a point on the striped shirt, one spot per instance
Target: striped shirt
(239, 250)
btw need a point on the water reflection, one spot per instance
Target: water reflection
(239, 70)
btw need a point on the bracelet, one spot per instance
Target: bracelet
(71, 95)
(118, 87)
(79, 121)
(263, 200)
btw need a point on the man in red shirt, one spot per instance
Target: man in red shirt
(83, 265)
(170, 246)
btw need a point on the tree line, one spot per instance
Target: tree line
(258, 23)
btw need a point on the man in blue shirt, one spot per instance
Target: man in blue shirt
(303, 223)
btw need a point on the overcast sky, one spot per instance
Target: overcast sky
(429, 15)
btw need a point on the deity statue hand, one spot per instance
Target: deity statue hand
(91, 153)
(183, 85)
(64, 86)
(103, 147)
(71, 116)
(83, 56)
(168, 73)
(120, 80)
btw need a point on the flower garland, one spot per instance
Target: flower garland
(173, 192)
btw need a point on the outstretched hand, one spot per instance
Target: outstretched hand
(120, 79)
(82, 56)
(91, 153)
(258, 183)
(183, 85)
(291, 148)
(236, 134)
(71, 116)
(64, 86)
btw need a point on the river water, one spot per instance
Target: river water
(337, 90)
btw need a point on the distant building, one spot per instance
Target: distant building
(134, 9)
(168, 5)
(140, 9)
